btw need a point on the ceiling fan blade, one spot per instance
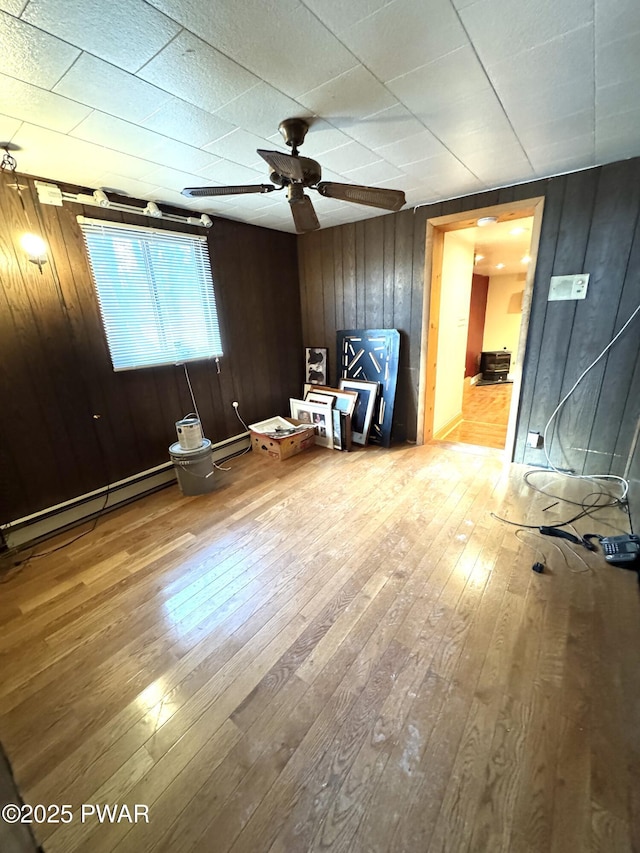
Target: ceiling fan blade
(200, 192)
(372, 196)
(304, 216)
(284, 164)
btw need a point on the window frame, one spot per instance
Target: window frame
(149, 278)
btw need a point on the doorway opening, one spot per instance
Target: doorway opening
(479, 281)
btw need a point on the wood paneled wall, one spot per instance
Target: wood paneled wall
(55, 371)
(372, 274)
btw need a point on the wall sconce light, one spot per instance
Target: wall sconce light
(36, 249)
(152, 209)
(100, 198)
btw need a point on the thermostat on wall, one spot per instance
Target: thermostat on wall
(568, 287)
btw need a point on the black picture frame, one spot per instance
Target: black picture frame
(316, 365)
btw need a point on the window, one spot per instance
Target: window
(155, 292)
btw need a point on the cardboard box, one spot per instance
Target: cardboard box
(283, 447)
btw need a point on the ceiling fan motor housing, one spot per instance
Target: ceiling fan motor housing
(311, 174)
(293, 131)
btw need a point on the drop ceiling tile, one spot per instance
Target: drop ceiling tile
(417, 147)
(436, 170)
(350, 156)
(93, 26)
(372, 174)
(73, 161)
(624, 125)
(104, 87)
(27, 102)
(9, 126)
(224, 172)
(490, 157)
(240, 146)
(421, 196)
(198, 73)
(132, 187)
(614, 20)
(174, 179)
(611, 100)
(563, 156)
(504, 174)
(619, 60)
(338, 15)
(567, 127)
(257, 202)
(195, 207)
(321, 137)
(262, 109)
(345, 99)
(32, 55)
(384, 128)
(286, 45)
(13, 7)
(544, 106)
(619, 146)
(485, 141)
(187, 123)
(119, 135)
(502, 27)
(447, 188)
(405, 35)
(439, 83)
(568, 58)
(457, 124)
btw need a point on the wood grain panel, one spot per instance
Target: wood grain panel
(606, 259)
(583, 217)
(56, 372)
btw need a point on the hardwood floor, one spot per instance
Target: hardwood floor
(339, 652)
(485, 415)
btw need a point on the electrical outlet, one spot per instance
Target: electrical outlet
(535, 440)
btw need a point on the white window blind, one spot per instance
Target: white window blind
(155, 291)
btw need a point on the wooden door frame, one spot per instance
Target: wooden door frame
(436, 229)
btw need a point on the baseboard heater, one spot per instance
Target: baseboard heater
(55, 519)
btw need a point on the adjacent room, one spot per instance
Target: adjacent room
(319, 442)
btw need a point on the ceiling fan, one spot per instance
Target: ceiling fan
(296, 173)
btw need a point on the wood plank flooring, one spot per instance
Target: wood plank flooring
(485, 415)
(340, 652)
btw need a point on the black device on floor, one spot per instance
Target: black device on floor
(621, 550)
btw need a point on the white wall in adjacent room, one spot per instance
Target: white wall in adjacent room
(504, 313)
(455, 295)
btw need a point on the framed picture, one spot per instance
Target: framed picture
(322, 398)
(346, 401)
(363, 414)
(316, 365)
(373, 355)
(318, 415)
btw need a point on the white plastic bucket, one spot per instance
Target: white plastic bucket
(189, 432)
(194, 468)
